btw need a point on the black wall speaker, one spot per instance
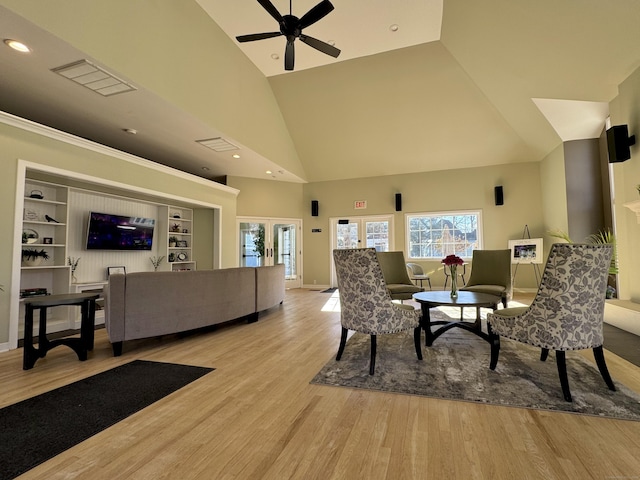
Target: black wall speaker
(314, 208)
(398, 202)
(499, 195)
(618, 143)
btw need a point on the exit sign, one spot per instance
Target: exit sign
(360, 204)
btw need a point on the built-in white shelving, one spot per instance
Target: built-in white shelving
(179, 233)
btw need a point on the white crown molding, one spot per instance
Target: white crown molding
(33, 127)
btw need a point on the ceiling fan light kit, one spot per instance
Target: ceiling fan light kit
(291, 27)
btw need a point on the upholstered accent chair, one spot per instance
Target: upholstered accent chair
(416, 274)
(567, 312)
(365, 302)
(491, 273)
(396, 277)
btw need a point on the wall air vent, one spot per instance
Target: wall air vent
(94, 78)
(218, 144)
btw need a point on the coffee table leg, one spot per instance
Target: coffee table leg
(29, 355)
(426, 325)
(87, 325)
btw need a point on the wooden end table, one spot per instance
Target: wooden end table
(429, 300)
(87, 303)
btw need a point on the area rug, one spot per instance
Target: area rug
(39, 428)
(456, 367)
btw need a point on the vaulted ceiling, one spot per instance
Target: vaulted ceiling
(458, 84)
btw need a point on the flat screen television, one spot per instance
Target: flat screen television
(117, 232)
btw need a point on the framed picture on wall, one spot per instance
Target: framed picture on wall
(116, 271)
(526, 250)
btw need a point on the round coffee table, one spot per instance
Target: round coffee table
(429, 300)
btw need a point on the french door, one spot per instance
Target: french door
(360, 232)
(268, 241)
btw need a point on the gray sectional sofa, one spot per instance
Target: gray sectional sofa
(149, 304)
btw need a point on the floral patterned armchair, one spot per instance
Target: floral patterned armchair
(365, 302)
(566, 313)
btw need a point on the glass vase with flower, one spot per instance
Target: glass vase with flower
(452, 262)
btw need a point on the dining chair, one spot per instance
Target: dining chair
(567, 312)
(417, 274)
(366, 305)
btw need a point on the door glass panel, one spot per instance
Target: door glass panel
(284, 248)
(266, 242)
(252, 249)
(377, 235)
(347, 235)
(371, 232)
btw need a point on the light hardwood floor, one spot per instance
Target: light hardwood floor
(257, 417)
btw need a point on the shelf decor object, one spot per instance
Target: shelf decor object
(29, 236)
(32, 257)
(31, 215)
(73, 263)
(156, 261)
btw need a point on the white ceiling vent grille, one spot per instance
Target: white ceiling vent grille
(94, 78)
(218, 144)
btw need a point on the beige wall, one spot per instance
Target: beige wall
(553, 186)
(16, 144)
(467, 189)
(625, 109)
(266, 198)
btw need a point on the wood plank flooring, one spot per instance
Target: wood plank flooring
(257, 417)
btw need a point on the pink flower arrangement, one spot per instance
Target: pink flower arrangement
(451, 260)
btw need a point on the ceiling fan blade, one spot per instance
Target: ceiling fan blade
(257, 36)
(289, 55)
(273, 11)
(315, 14)
(320, 45)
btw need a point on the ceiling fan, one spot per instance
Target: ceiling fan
(291, 27)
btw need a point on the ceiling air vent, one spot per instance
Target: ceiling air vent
(218, 144)
(94, 78)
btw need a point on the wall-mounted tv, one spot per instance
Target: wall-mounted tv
(117, 232)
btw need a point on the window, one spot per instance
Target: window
(436, 235)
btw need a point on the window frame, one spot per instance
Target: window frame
(409, 216)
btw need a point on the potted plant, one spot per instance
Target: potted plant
(172, 241)
(33, 257)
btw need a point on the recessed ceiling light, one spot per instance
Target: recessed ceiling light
(16, 45)
(205, 169)
(268, 172)
(130, 131)
(331, 42)
(235, 155)
(275, 56)
(394, 27)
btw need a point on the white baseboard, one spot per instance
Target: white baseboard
(4, 347)
(627, 319)
(316, 287)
